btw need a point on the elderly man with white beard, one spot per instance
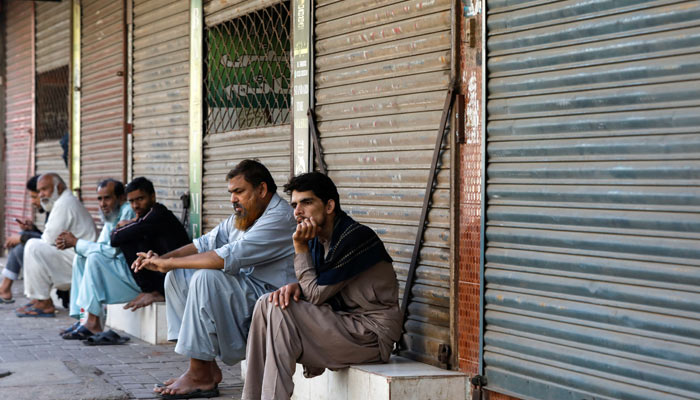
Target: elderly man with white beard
(46, 266)
(100, 273)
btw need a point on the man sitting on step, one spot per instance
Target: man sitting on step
(344, 309)
(100, 274)
(45, 264)
(155, 228)
(213, 284)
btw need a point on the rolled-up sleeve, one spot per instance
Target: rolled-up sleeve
(268, 240)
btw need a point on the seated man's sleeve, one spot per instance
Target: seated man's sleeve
(59, 221)
(137, 229)
(306, 274)
(26, 235)
(268, 240)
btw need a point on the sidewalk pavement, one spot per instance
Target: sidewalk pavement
(45, 366)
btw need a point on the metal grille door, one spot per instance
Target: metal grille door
(247, 96)
(161, 97)
(19, 103)
(102, 98)
(593, 185)
(382, 69)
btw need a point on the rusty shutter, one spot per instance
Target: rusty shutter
(593, 222)
(161, 97)
(382, 69)
(102, 100)
(236, 75)
(52, 59)
(19, 103)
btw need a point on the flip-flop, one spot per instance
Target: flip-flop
(81, 333)
(195, 394)
(7, 301)
(108, 338)
(70, 329)
(34, 312)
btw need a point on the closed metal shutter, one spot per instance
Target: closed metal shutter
(19, 106)
(102, 96)
(382, 69)
(593, 219)
(247, 95)
(52, 59)
(161, 97)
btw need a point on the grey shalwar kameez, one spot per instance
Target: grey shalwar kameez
(310, 332)
(209, 311)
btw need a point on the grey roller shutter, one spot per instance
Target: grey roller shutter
(381, 74)
(19, 108)
(102, 108)
(52, 35)
(234, 134)
(593, 220)
(161, 97)
(52, 60)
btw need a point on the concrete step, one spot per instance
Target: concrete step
(400, 378)
(148, 324)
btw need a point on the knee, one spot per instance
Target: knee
(204, 278)
(169, 281)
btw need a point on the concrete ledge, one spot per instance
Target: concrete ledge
(148, 324)
(401, 378)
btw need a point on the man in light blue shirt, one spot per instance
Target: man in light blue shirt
(212, 284)
(100, 273)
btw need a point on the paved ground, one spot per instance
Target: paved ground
(68, 369)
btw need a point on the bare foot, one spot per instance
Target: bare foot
(143, 300)
(198, 376)
(215, 374)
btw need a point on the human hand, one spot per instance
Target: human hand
(150, 261)
(66, 240)
(306, 230)
(12, 241)
(281, 296)
(25, 225)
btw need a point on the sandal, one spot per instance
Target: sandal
(34, 313)
(6, 301)
(108, 338)
(70, 329)
(81, 333)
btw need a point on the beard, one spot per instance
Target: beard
(111, 216)
(48, 202)
(247, 216)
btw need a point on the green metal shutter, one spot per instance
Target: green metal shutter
(161, 97)
(593, 216)
(382, 69)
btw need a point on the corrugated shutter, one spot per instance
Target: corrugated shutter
(223, 150)
(52, 35)
(52, 53)
(381, 77)
(161, 97)
(19, 117)
(593, 220)
(102, 96)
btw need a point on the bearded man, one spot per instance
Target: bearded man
(45, 265)
(213, 283)
(100, 273)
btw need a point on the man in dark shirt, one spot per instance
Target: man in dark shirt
(154, 228)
